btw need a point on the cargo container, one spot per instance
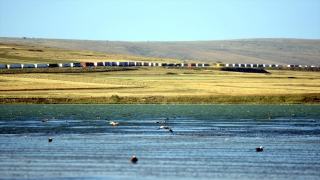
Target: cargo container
(77, 64)
(29, 66)
(53, 65)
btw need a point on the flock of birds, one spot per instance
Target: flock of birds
(161, 127)
(134, 159)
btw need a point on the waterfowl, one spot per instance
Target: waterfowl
(114, 123)
(134, 159)
(163, 122)
(50, 140)
(45, 120)
(165, 127)
(259, 149)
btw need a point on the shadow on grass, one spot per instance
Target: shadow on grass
(115, 99)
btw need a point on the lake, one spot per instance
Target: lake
(208, 142)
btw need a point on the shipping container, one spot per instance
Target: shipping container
(29, 66)
(77, 64)
(99, 64)
(107, 64)
(66, 65)
(131, 63)
(220, 64)
(85, 64)
(53, 65)
(41, 65)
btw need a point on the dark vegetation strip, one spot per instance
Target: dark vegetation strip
(115, 99)
(239, 69)
(248, 70)
(130, 68)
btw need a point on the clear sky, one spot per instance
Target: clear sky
(160, 20)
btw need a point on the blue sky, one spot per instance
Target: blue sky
(160, 20)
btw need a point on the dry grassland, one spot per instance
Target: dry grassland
(144, 82)
(157, 81)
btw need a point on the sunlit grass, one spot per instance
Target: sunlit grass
(209, 87)
(158, 85)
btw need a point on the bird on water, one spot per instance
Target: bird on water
(134, 159)
(259, 149)
(114, 123)
(165, 127)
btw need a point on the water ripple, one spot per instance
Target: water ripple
(208, 142)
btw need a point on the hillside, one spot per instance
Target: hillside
(267, 51)
(30, 54)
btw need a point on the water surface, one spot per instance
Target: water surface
(208, 142)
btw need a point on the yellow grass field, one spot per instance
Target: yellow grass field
(157, 81)
(144, 82)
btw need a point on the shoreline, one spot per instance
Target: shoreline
(115, 99)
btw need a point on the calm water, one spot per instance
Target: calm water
(208, 142)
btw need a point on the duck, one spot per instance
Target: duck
(50, 140)
(259, 149)
(165, 127)
(134, 159)
(163, 122)
(114, 123)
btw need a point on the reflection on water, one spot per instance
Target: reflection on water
(208, 141)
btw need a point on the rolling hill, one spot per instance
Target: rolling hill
(266, 51)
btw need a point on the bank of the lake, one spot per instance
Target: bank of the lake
(115, 99)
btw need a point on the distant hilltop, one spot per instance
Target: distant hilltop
(259, 51)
